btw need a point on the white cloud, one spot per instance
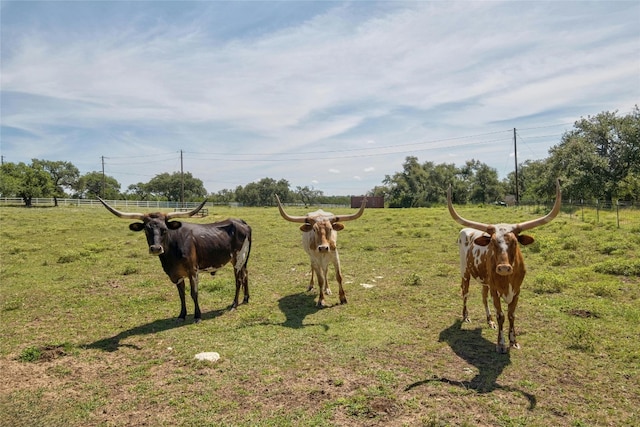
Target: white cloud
(337, 85)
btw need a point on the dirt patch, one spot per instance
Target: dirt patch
(585, 314)
(51, 352)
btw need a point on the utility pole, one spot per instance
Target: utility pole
(181, 182)
(104, 181)
(515, 152)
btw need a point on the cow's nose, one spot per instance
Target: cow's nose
(504, 269)
(323, 248)
(156, 250)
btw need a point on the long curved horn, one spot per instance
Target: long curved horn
(467, 223)
(125, 215)
(528, 225)
(172, 215)
(351, 217)
(288, 217)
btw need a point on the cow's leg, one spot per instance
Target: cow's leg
(193, 281)
(464, 287)
(327, 291)
(322, 283)
(241, 282)
(245, 284)
(487, 310)
(336, 264)
(234, 304)
(511, 314)
(183, 304)
(310, 287)
(501, 346)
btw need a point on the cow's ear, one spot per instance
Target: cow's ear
(174, 225)
(136, 226)
(306, 227)
(337, 226)
(525, 240)
(482, 240)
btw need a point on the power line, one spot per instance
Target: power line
(294, 156)
(351, 149)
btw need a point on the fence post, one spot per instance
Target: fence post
(618, 212)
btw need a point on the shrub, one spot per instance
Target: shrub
(580, 337)
(619, 267)
(549, 283)
(412, 280)
(129, 270)
(69, 256)
(30, 354)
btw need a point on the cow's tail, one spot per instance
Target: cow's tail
(243, 254)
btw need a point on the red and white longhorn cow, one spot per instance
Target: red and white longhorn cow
(490, 254)
(319, 239)
(186, 248)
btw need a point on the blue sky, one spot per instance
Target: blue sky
(331, 95)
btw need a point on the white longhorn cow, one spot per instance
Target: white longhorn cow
(319, 239)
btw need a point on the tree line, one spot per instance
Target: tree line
(599, 159)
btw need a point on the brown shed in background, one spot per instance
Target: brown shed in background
(372, 202)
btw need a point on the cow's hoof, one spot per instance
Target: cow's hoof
(502, 349)
(466, 320)
(180, 319)
(321, 304)
(492, 325)
(515, 345)
(343, 301)
(197, 320)
(328, 292)
(309, 288)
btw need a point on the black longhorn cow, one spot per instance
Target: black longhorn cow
(185, 249)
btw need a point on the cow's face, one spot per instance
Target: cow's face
(155, 226)
(323, 236)
(502, 244)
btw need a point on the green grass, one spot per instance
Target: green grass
(89, 335)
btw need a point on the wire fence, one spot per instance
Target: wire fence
(142, 204)
(610, 215)
(616, 215)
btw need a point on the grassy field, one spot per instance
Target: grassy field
(89, 335)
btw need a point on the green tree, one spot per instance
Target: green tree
(535, 181)
(223, 196)
(139, 191)
(600, 157)
(308, 195)
(408, 188)
(579, 167)
(94, 184)
(262, 193)
(379, 191)
(481, 182)
(63, 174)
(442, 175)
(485, 186)
(630, 187)
(169, 186)
(25, 181)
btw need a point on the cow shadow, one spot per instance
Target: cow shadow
(113, 343)
(297, 307)
(473, 348)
